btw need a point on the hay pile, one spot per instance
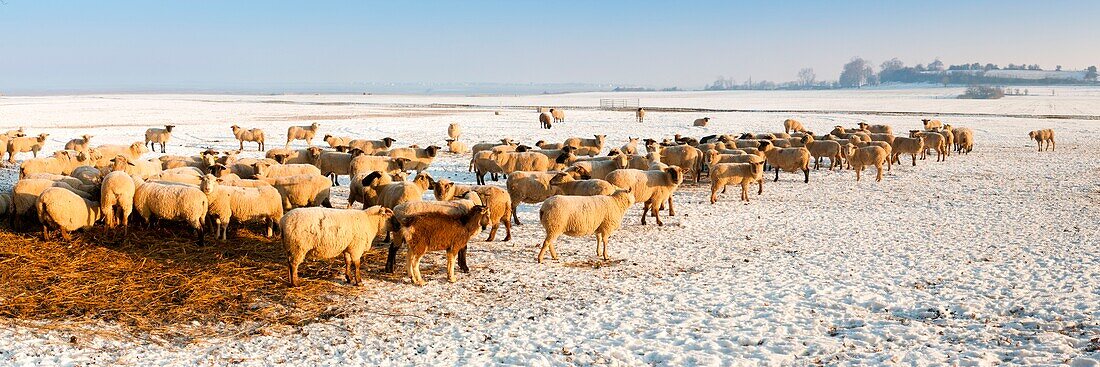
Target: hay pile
(162, 283)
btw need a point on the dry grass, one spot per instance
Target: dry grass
(161, 283)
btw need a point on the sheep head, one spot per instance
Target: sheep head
(388, 141)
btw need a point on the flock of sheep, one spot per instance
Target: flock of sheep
(584, 189)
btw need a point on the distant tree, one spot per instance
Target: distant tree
(1034, 67)
(920, 67)
(1090, 74)
(936, 65)
(856, 73)
(893, 64)
(806, 77)
(1058, 68)
(990, 66)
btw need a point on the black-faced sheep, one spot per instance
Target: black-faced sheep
(154, 136)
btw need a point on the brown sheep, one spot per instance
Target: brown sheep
(1043, 136)
(790, 125)
(867, 156)
(964, 140)
(932, 141)
(439, 232)
(932, 124)
(640, 114)
(701, 122)
(545, 120)
(904, 145)
(787, 159)
(497, 199)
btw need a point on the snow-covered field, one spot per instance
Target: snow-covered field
(985, 259)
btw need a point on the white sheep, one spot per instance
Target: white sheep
(631, 146)
(243, 204)
(744, 174)
(701, 122)
(457, 147)
(372, 146)
(565, 184)
(24, 144)
(26, 192)
(528, 187)
(585, 146)
(172, 202)
(154, 136)
(301, 133)
(79, 144)
(391, 195)
(325, 233)
(337, 141)
(790, 125)
(932, 124)
(116, 200)
(250, 135)
(419, 158)
(526, 161)
(964, 139)
(559, 115)
(334, 164)
(285, 170)
(454, 131)
(787, 159)
(364, 164)
(598, 168)
(578, 216)
(132, 152)
(688, 158)
(65, 211)
(651, 187)
(823, 149)
(302, 190)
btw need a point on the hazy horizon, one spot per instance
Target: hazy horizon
(53, 46)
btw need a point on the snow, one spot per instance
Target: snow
(986, 259)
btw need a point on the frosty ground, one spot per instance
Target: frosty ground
(984, 259)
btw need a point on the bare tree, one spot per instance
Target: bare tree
(857, 73)
(806, 77)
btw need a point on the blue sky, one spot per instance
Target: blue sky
(218, 44)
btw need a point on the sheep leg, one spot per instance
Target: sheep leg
(914, 160)
(507, 227)
(451, 267)
(355, 263)
(515, 217)
(391, 256)
(714, 184)
(657, 214)
(776, 174)
(671, 210)
(817, 163)
(878, 167)
(806, 172)
(645, 210)
(760, 183)
(548, 245)
(348, 277)
(858, 170)
(462, 261)
(745, 190)
(45, 233)
(292, 264)
(65, 235)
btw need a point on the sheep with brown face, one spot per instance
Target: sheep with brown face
(495, 198)
(867, 156)
(559, 115)
(439, 232)
(545, 120)
(1043, 137)
(903, 145)
(932, 124)
(787, 159)
(744, 174)
(372, 146)
(932, 141)
(585, 146)
(530, 188)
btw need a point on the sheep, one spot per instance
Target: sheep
(598, 169)
(881, 144)
(589, 147)
(61, 163)
(294, 156)
(823, 149)
(722, 174)
(241, 203)
(964, 140)
(372, 146)
(457, 147)
(559, 115)
(867, 156)
(391, 195)
(17, 133)
(335, 164)
(250, 135)
(133, 152)
(716, 157)
(631, 147)
(432, 231)
(876, 129)
(324, 233)
(548, 146)
(116, 200)
(24, 144)
(363, 188)
(63, 210)
(364, 164)
(640, 114)
(301, 190)
(792, 125)
(301, 133)
(5, 204)
(885, 137)
(483, 162)
(337, 141)
(284, 170)
(904, 145)
(154, 136)
(688, 158)
(555, 154)
(458, 206)
(565, 184)
(578, 216)
(419, 158)
(79, 144)
(504, 145)
(527, 161)
(496, 199)
(932, 124)
(701, 122)
(787, 159)
(87, 174)
(528, 187)
(203, 161)
(651, 187)
(26, 192)
(73, 182)
(172, 202)
(932, 141)
(454, 131)
(1043, 136)
(948, 138)
(244, 167)
(784, 143)
(545, 121)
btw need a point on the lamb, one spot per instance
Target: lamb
(652, 187)
(250, 135)
(631, 146)
(301, 133)
(640, 114)
(565, 184)
(559, 115)
(364, 164)
(1043, 136)
(133, 152)
(904, 145)
(598, 169)
(154, 136)
(823, 149)
(701, 122)
(458, 206)
(545, 121)
(589, 147)
(337, 141)
(496, 199)
(24, 144)
(285, 170)
(722, 174)
(438, 231)
(688, 158)
(578, 216)
(372, 146)
(867, 156)
(792, 125)
(457, 147)
(301, 190)
(932, 140)
(79, 144)
(932, 124)
(116, 200)
(241, 203)
(335, 164)
(881, 144)
(787, 159)
(482, 163)
(172, 202)
(528, 187)
(964, 140)
(454, 131)
(527, 161)
(419, 158)
(63, 210)
(326, 233)
(391, 195)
